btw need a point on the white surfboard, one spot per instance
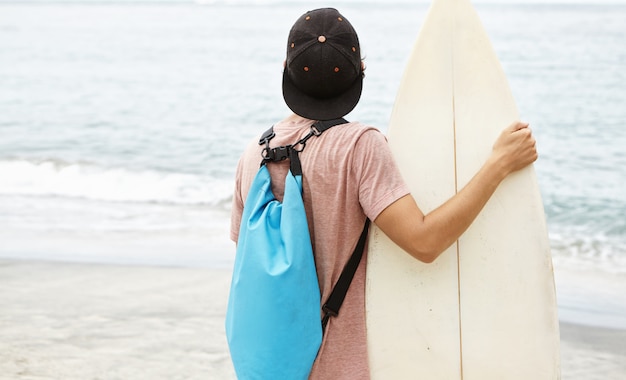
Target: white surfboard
(486, 308)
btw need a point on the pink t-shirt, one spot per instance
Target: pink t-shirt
(348, 174)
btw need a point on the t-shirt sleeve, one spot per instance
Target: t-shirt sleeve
(380, 181)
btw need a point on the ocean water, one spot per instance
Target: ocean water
(121, 124)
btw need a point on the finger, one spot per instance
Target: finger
(518, 125)
(524, 133)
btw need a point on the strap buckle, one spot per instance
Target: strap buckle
(267, 136)
(279, 153)
(328, 311)
(315, 131)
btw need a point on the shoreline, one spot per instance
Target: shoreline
(78, 321)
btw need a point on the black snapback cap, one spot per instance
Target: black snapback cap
(323, 78)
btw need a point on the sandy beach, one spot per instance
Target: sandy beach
(86, 321)
(78, 321)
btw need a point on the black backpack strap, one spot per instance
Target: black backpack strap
(291, 152)
(316, 129)
(267, 136)
(320, 126)
(334, 301)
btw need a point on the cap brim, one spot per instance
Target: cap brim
(321, 109)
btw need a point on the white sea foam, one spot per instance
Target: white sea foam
(89, 181)
(589, 251)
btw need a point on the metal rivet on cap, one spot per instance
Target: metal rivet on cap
(353, 48)
(307, 18)
(339, 18)
(293, 45)
(321, 39)
(306, 68)
(336, 69)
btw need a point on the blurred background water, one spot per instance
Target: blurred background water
(121, 124)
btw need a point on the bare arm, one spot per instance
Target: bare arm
(425, 237)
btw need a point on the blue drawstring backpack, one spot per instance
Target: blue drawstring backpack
(273, 322)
